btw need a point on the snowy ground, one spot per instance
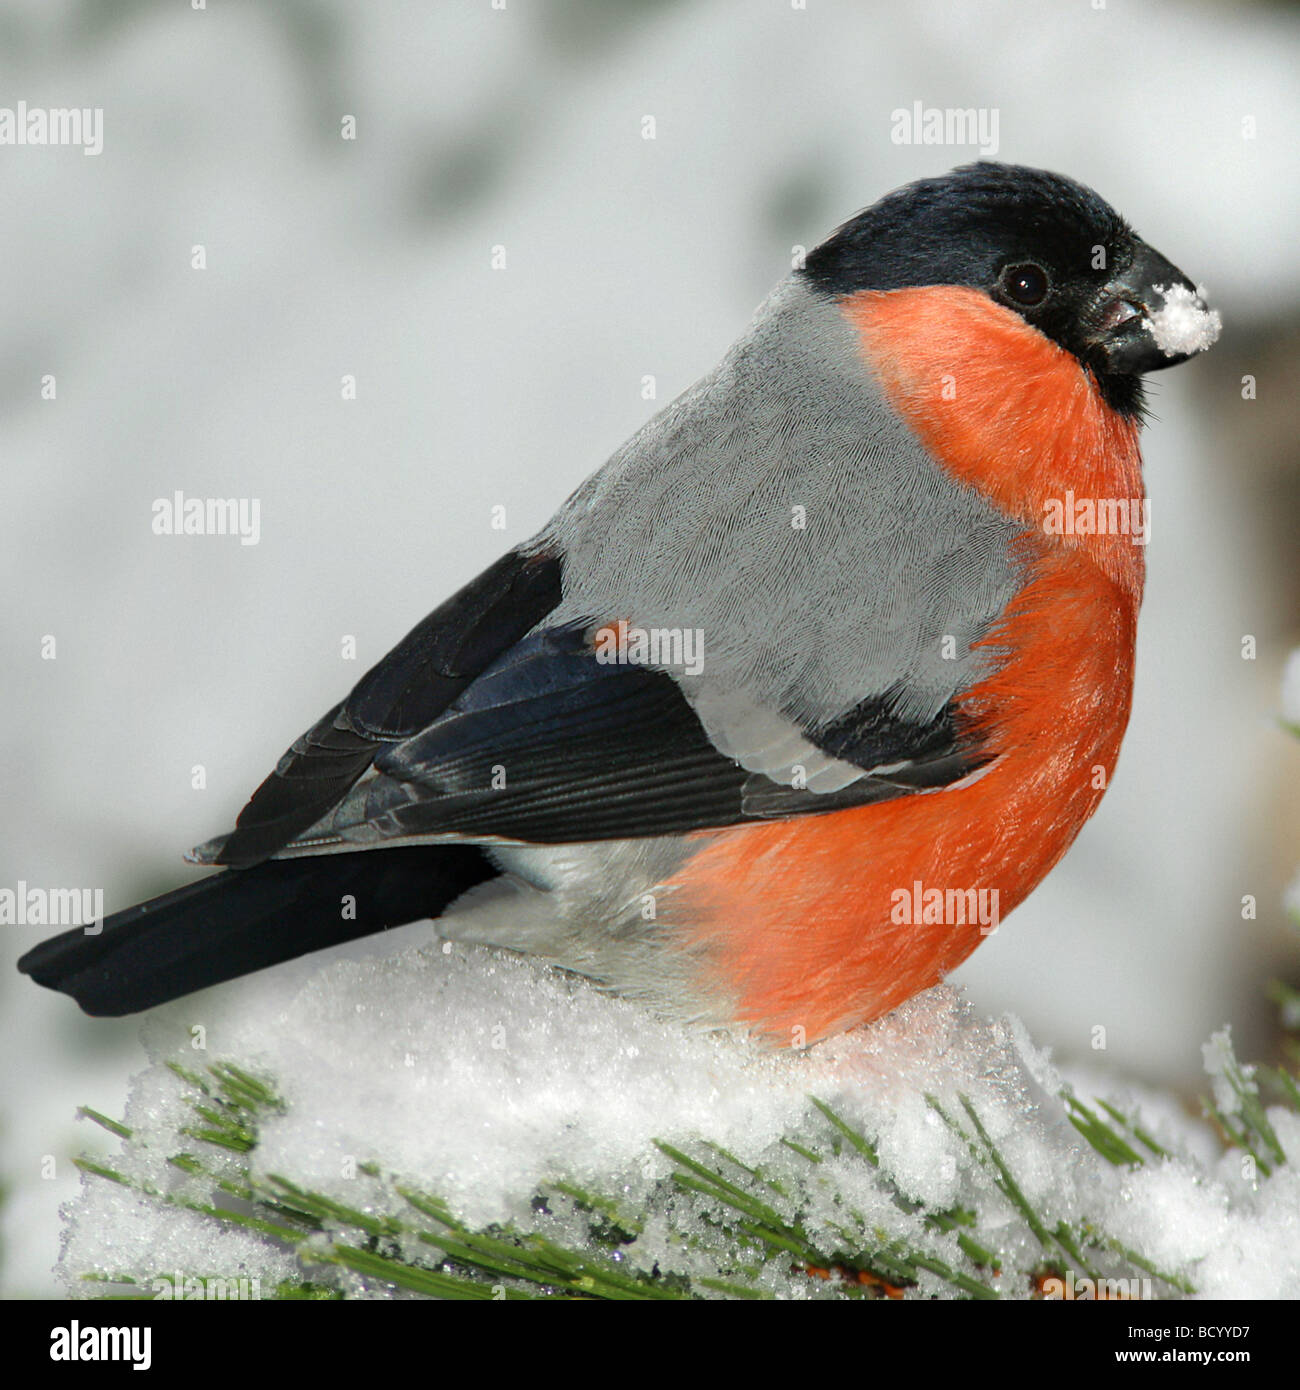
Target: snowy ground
(480, 1079)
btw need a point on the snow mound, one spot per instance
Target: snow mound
(484, 1079)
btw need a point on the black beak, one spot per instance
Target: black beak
(1130, 326)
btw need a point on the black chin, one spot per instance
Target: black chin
(1123, 392)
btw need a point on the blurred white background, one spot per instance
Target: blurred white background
(520, 125)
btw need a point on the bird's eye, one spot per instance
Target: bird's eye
(1027, 284)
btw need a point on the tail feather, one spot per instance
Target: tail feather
(247, 919)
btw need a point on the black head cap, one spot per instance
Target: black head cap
(1039, 243)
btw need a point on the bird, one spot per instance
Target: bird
(791, 701)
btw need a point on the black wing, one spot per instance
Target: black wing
(399, 696)
(551, 745)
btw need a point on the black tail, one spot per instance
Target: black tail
(246, 919)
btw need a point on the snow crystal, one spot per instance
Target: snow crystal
(1220, 1063)
(1184, 323)
(481, 1078)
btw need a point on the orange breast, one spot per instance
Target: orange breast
(811, 926)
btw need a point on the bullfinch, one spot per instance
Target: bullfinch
(794, 698)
